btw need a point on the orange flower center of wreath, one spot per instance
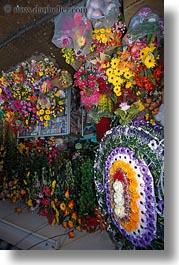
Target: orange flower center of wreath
(131, 222)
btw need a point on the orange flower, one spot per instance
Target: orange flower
(79, 221)
(18, 210)
(66, 212)
(70, 204)
(74, 215)
(70, 224)
(22, 192)
(134, 207)
(71, 234)
(78, 228)
(64, 224)
(67, 194)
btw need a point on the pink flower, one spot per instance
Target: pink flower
(124, 106)
(65, 42)
(46, 190)
(93, 99)
(135, 50)
(45, 201)
(90, 77)
(78, 18)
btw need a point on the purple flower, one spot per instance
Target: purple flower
(161, 206)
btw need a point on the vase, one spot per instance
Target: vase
(101, 127)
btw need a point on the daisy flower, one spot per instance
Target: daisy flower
(150, 61)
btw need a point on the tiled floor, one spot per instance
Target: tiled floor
(31, 231)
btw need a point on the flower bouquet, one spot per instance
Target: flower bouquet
(135, 74)
(95, 91)
(33, 93)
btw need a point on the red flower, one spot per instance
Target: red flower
(46, 190)
(138, 81)
(51, 219)
(45, 201)
(44, 212)
(149, 86)
(71, 234)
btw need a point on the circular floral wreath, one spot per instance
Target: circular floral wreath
(129, 179)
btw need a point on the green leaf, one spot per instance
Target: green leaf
(120, 113)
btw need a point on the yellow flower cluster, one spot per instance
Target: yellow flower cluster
(69, 55)
(102, 34)
(146, 55)
(44, 115)
(23, 149)
(118, 75)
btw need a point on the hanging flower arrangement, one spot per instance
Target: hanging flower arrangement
(95, 91)
(33, 93)
(135, 74)
(130, 186)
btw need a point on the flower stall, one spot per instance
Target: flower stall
(112, 183)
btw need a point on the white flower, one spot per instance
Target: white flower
(153, 144)
(119, 211)
(118, 199)
(124, 106)
(117, 186)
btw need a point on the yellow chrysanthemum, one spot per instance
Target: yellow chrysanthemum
(41, 73)
(104, 39)
(108, 30)
(96, 31)
(41, 118)
(102, 30)
(152, 47)
(109, 72)
(128, 74)
(128, 84)
(118, 72)
(98, 37)
(46, 124)
(117, 89)
(105, 65)
(150, 61)
(115, 62)
(117, 81)
(111, 78)
(144, 52)
(47, 112)
(47, 117)
(41, 111)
